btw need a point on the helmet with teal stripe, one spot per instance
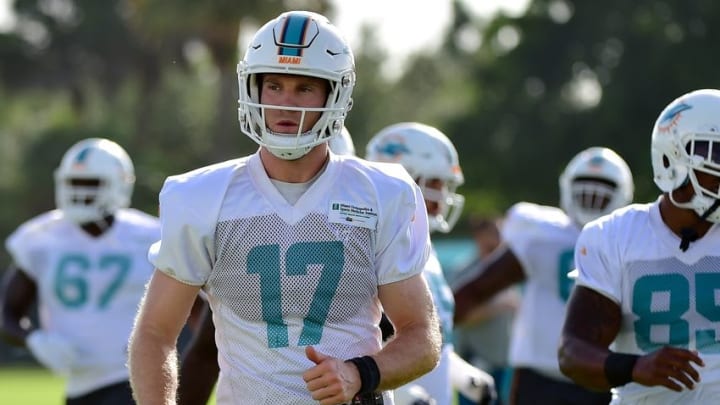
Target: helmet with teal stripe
(95, 179)
(298, 43)
(429, 156)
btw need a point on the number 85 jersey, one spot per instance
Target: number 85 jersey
(667, 296)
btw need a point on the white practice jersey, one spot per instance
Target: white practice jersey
(667, 296)
(543, 240)
(437, 382)
(89, 289)
(280, 277)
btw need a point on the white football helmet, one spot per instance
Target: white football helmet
(426, 153)
(594, 183)
(94, 159)
(298, 43)
(686, 140)
(342, 143)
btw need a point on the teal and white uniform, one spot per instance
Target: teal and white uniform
(282, 276)
(543, 240)
(667, 296)
(89, 288)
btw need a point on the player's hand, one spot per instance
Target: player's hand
(472, 384)
(670, 367)
(51, 350)
(331, 381)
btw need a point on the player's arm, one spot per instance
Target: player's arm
(415, 348)
(592, 322)
(501, 270)
(199, 370)
(18, 296)
(153, 354)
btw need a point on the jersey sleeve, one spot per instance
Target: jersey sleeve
(597, 262)
(25, 244)
(189, 208)
(520, 228)
(20, 246)
(403, 238)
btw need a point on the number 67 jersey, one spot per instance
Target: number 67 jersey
(667, 296)
(88, 288)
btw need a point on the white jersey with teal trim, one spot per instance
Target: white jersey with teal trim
(667, 296)
(89, 288)
(437, 382)
(280, 277)
(543, 240)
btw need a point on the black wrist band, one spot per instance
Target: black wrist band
(619, 368)
(369, 373)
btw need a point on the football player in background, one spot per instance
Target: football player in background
(342, 144)
(431, 159)
(538, 246)
(85, 266)
(485, 342)
(298, 250)
(643, 318)
(199, 366)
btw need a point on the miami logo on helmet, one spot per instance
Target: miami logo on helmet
(80, 159)
(292, 39)
(671, 117)
(392, 149)
(596, 163)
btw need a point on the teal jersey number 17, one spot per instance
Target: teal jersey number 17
(265, 260)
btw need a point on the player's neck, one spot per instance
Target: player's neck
(98, 228)
(677, 218)
(295, 171)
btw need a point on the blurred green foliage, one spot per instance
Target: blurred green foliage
(159, 78)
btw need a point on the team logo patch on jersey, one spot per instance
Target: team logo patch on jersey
(349, 214)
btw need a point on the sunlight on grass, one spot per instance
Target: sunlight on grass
(32, 386)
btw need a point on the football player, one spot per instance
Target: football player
(85, 266)
(538, 246)
(643, 318)
(431, 159)
(298, 250)
(199, 367)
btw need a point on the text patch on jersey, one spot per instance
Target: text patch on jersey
(349, 214)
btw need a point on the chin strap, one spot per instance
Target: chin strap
(689, 234)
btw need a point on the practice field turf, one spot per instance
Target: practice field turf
(30, 386)
(33, 386)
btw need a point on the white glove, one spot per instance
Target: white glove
(471, 383)
(51, 350)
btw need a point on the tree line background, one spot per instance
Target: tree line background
(519, 96)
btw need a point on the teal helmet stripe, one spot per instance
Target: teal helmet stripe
(293, 34)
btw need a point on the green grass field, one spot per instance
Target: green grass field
(33, 386)
(30, 386)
